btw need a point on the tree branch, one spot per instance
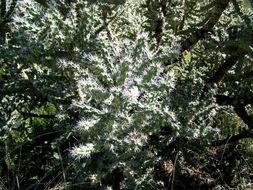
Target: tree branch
(239, 108)
(242, 113)
(223, 69)
(235, 138)
(219, 75)
(199, 34)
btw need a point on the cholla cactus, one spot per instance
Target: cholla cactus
(124, 98)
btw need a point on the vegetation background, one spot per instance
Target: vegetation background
(124, 94)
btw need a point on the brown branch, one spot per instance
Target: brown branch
(223, 69)
(164, 6)
(221, 72)
(239, 108)
(201, 33)
(224, 100)
(235, 138)
(242, 113)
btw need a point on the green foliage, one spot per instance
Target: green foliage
(121, 107)
(107, 93)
